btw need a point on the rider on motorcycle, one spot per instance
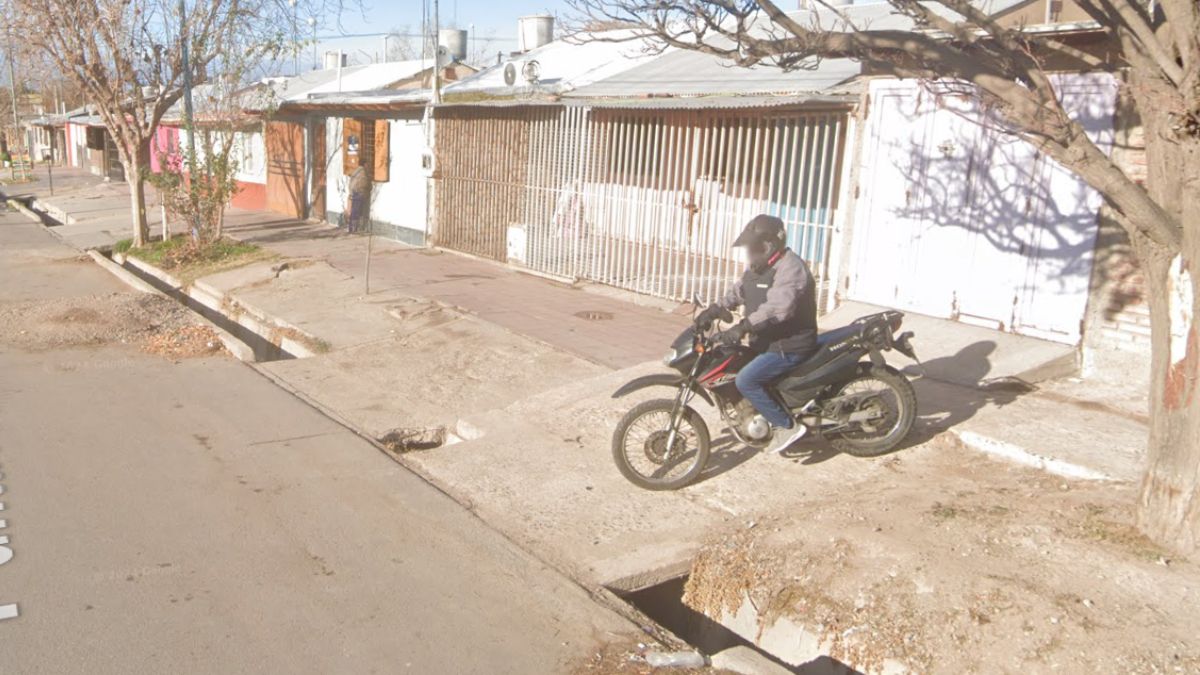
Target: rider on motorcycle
(778, 295)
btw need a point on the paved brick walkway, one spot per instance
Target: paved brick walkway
(550, 312)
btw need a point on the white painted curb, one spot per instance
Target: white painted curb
(121, 273)
(1018, 455)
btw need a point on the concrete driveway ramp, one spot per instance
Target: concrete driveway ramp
(968, 355)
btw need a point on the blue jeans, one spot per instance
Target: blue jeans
(753, 379)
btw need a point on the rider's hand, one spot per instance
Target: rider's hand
(711, 313)
(734, 334)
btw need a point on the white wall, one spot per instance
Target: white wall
(958, 219)
(78, 142)
(402, 200)
(249, 151)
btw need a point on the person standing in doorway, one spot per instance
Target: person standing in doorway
(358, 203)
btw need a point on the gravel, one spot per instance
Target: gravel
(145, 320)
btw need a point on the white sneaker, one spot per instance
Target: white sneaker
(785, 437)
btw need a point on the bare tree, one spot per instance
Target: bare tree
(132, 58)
(1154, 46)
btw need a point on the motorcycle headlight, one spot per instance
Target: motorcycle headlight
(670, 357)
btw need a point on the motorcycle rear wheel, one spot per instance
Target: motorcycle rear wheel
(900, 415)
(640, 452)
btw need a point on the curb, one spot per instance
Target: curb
(37, 218)
(1016, 454)
(240, 350)
(251, 318)
(122, 273)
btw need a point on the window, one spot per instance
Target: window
(366, 143)
(95, 138)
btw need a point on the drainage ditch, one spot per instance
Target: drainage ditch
(264, 349)
(663, 603)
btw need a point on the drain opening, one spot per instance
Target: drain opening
(401, 441)
(594, 315)
(663, 603)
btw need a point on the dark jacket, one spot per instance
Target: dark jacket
(780, 305)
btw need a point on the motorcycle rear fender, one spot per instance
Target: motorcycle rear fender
(671, 380)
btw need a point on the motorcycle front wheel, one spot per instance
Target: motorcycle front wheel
(640, 446)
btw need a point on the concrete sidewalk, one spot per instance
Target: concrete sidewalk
(94, 212)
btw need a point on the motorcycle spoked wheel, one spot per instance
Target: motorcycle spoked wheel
(883, 391)
(640, 450)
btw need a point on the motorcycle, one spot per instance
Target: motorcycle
(845, 392)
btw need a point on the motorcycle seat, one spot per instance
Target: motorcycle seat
(837, 335)
(823, 353)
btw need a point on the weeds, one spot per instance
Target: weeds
(191, 261)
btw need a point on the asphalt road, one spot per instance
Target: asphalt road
(191, 517)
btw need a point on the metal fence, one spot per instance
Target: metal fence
(649, 201)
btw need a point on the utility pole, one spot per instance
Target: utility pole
(436, 97)
(187, 90)
(12, 83)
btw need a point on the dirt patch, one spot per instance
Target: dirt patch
(184, 342)
(986, 568)
(158, 324)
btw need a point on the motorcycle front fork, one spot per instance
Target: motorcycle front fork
(682, 397)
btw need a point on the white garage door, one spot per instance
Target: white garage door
(958, 219)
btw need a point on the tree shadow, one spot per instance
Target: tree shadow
(1034, 223)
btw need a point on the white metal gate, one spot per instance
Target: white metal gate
(645, 200)
(651, 201)
(959, 219)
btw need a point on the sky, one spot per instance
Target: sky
(360, 31)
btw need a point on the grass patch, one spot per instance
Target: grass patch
(189, 262)
(123, 246)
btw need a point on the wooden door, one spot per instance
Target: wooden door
(319, 163)
(285, 168)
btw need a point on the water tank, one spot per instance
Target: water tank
(335, 59)
(535, 31)
(455, 42)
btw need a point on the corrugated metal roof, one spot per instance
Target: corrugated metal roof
(377, 99)
(366, 78)
(691, 73)
(719, 102)
(687, 73)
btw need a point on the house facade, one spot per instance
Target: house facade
(898, 193)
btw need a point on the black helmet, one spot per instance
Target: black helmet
(763, 237)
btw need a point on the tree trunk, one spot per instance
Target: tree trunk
(1169, 505)
(135, 162)
(137, 202)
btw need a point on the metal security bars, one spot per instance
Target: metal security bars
(651, 201)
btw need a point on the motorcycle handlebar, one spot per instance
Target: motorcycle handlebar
(703, 323)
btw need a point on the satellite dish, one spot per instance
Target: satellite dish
(531, 71)
(510, 74)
